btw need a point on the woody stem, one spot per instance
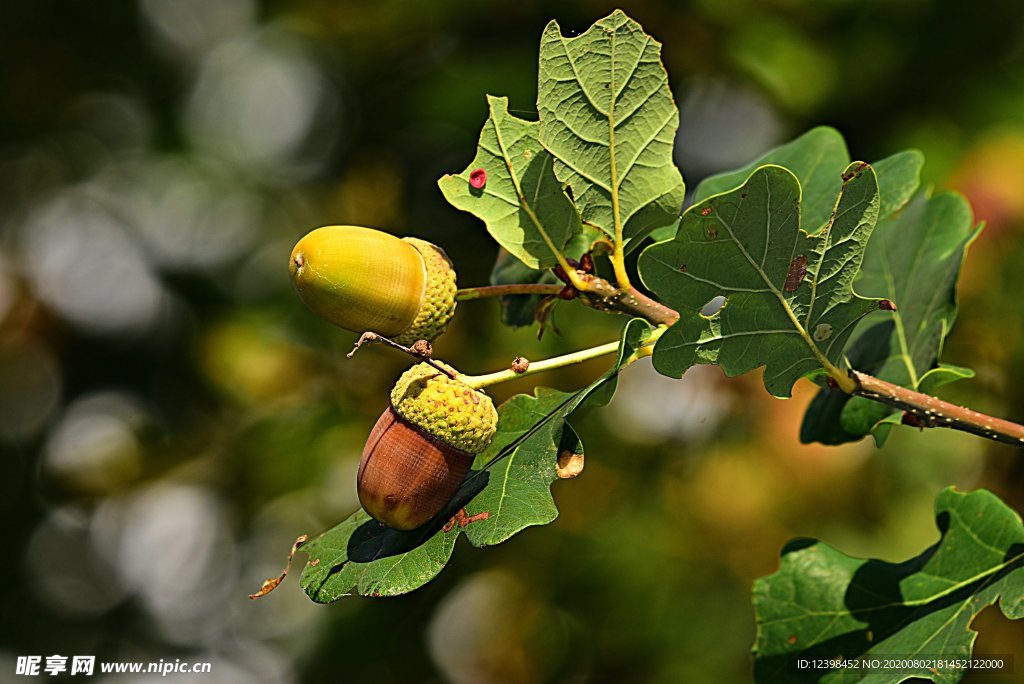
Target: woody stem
(604, 296)
(934, 412)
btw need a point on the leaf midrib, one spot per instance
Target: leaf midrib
(519, 191)
(915, 603)
(825, 363)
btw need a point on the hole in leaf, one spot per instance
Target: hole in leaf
(715, 305)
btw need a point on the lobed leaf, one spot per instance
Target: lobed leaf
(362, 556)
(914, 258)
(899, 176)
(789, 302)
(523, 205)
(817, 158)
(608, 118)
(519, 494)
(822, 604)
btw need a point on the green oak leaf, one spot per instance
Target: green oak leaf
(608, 117)
(330, 575)
(817, 158)
(525, 208)
(518, 494)
(899, 177)
(521, 495)
(790, 304)
(914, 259)
(501, 498)
(823, 604)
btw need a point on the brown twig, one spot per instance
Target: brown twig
(600, 294)
(928, 410)
(604, 296)
(421, 350)
(934, 412)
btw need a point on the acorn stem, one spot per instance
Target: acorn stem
(517, 370)
(479, 381)
(414, 351)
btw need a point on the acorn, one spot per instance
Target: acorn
(421, 448)
(366, 280)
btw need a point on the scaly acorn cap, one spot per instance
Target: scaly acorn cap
(448, 409)
(363, 279)
(437, 305)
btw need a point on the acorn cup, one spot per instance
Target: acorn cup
(366, 280)
(422, 446)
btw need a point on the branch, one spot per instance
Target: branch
(930, 411)
(599, 294)
(933, 412)
(604, 296)
(522, 367)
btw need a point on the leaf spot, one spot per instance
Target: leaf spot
(822, 332)
(461, 519)
(797, 271)
(478, 178)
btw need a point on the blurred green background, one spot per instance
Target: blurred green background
(172, 417)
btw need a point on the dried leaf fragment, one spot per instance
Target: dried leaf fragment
(271, 583)
(569, 464)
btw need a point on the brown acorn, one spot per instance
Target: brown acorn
(422, 446)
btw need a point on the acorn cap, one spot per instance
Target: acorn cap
(363, 279)
(446, 408)
(437, 305)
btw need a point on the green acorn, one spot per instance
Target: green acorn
(366, 280)
(422, 446)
